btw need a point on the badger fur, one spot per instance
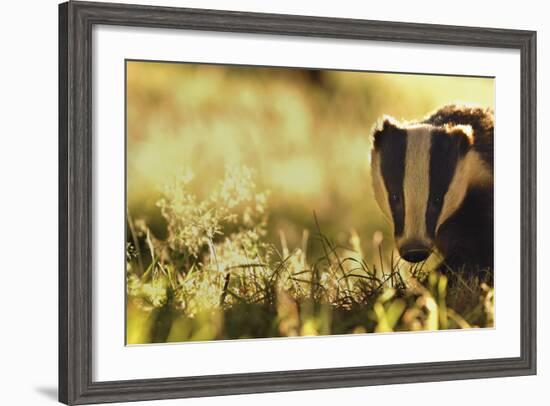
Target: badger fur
(434, 180)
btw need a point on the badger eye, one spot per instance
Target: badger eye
(394, 197)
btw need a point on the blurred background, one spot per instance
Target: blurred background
(305, 133)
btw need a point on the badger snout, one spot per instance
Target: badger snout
(414, 251)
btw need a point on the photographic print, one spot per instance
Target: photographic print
(269, 202)
(317, 210)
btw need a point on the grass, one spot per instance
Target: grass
(214, 276)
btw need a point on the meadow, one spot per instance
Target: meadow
(250, 210)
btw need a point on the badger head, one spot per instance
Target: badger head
(421, 174)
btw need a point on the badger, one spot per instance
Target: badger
(433, 179)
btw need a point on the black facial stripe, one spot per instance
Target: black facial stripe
(445, 152)
(392, 148)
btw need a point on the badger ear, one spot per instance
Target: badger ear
(387, 127)
(463, 134)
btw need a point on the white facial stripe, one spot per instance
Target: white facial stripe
(416, 184)
(471, 170)
(380, 191)
(456, 192)
(478, 170)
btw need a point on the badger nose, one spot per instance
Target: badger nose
(414, 251)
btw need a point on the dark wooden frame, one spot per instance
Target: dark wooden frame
(76, 20)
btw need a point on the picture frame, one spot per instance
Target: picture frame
(76, 352)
